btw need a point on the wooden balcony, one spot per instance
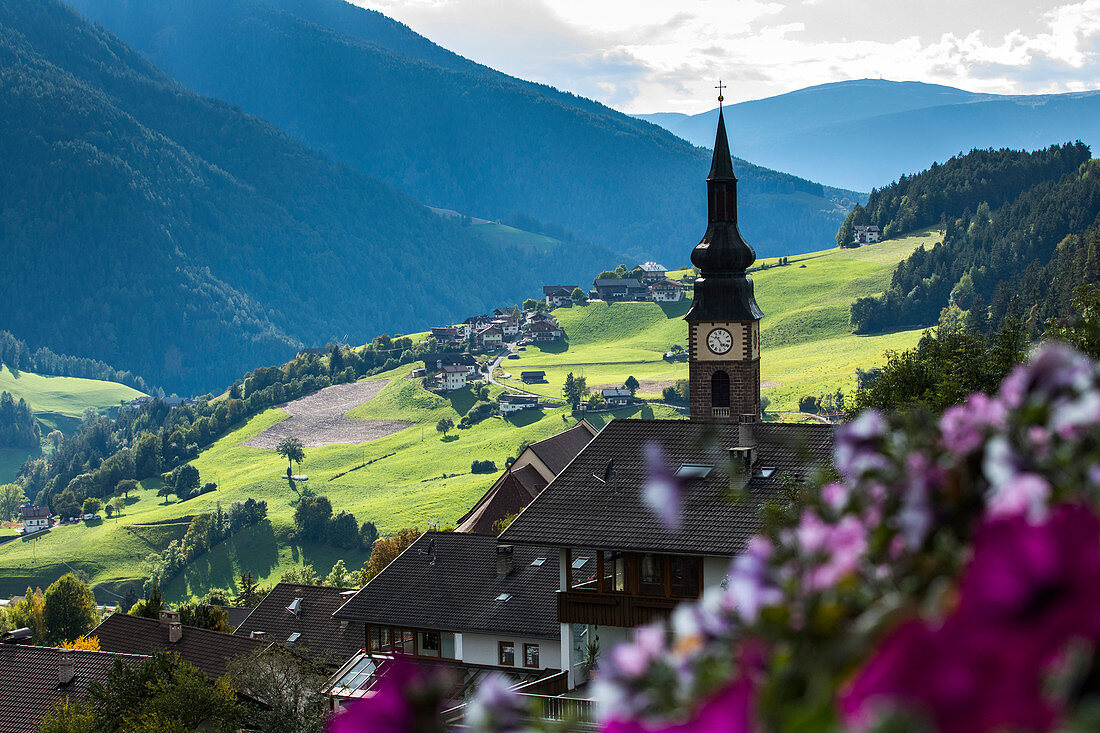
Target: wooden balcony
(612, 609)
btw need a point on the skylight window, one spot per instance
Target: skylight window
(504, 597)
(579, 562)
(293, 637)
(693, 470)
(538, 561)
(765, 472)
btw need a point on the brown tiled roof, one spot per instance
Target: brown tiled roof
(210, 651)
(29, 681)
(556, 452)
(578, 509)
(507, 496)
(34, 512)
(329, 641)
(454, 587)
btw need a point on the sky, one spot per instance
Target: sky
(643, 56)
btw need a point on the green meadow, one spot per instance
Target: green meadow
(58, 403)
(415, 477)
(807, 342)
(418, 477)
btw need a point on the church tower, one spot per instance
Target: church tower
(724, 319)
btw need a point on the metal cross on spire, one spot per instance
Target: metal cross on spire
(720, 87)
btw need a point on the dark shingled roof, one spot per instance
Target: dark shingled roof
(579, 510)
(210, 651)
(557, 451)
(507, 496)
(459, 592)
(320, 633)
(30, 684)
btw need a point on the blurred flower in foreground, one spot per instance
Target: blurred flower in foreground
(408, 699)
(663, 492)
(1028, 591)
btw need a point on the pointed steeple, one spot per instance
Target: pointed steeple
(721, 164)
(723, 292)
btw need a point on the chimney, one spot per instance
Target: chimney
(258, 635)
(66, 669)
(175, 632)
(167, 618)
(743, 455)
(504, 560)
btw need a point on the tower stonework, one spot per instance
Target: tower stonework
(724, 319)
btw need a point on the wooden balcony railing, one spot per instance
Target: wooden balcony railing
(611, 609)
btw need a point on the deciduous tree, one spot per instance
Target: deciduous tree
(68, 609)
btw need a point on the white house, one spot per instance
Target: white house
(510, 403)
(651, 271)
(666, 291)
(35, 518)
(452, 377)
(616, 397)
(868, 234)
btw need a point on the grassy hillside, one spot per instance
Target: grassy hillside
(58, 403)
(807, 341)
(418, 477)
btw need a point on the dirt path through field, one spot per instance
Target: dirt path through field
(321, 418)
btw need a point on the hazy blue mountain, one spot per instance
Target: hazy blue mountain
(864, 134)
(179, 238)
(456, 134)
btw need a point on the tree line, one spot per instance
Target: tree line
(18, 428)
(17, 356)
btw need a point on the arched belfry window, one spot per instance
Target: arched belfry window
(720, 389)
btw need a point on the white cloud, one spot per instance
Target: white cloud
(646, 55)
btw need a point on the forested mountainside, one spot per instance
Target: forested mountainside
(863, 133)
(1020, 256)
(455, 134)
(185, 241)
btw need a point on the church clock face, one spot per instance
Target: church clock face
(719, 341)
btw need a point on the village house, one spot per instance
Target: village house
(558, 295)
(865, 234)
(533, 469)
(651, 272)
(490, 337)
(545, 331)
(666, 291)
(622, 566)
(616, 396)
(210, 651)
(35, 518)
(613, 288)
(510, 403)
(452, 377)
(532, 376)
(462, 331)
(444, 334)
(433, 362)
(300, 617)
(34, 679)
(476, 604)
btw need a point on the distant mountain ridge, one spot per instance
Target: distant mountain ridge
(455, 134)
(865, 133)
(185, 241)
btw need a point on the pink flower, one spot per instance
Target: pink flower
(831, 551)
(750, 585)
(965, 426)
(1013, 489)
(835, 495)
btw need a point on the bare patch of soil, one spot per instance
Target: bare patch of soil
(768, 384)
(321, 418)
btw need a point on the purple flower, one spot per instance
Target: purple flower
(1013, 489)
(914, 518)
(965, 426)
(750, 586)
(1056, 374)
(663, 491)
(835, 495)
(633, 658)
(858, 446)
(831, 551)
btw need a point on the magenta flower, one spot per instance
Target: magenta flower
(831, 551)
(1027, 592)
(407, 700)
(663, 491)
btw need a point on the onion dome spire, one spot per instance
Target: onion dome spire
(723, 292)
